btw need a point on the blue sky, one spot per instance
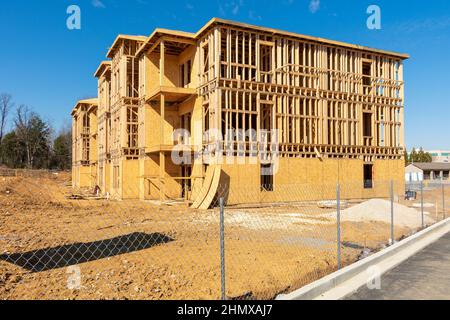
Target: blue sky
(48, 67)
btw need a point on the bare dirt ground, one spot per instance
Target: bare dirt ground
(137, 250)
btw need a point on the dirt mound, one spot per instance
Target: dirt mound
(380, 210)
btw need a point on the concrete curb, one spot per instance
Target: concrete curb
(347, 281)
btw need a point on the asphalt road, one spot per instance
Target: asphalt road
(425, 276)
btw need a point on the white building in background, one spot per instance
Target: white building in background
(413, 173)
(427, 172)
(440, 156)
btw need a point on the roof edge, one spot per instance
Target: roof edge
(109, 54)
(216, 20)
(98, 72)
(155, 32)
(213, 21)
(89, 101)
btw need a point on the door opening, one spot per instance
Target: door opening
(368, 176)
(186, 173)
(267, 177)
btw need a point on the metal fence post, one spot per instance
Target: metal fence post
(392, 213)
(338, 207)
(222, 248)
(421, 204)
(443, 198)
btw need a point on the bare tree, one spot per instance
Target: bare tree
(34, 133)
(5, 107)
(21, 123)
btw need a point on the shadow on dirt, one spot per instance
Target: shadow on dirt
(77, 253)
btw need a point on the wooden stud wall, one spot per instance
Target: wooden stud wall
(319, 93)
(104, 114)
(125, 101)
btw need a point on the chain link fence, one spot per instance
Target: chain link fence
(27, 173)
(277, 241)
(251, 244)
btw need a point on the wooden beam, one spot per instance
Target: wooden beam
(162, 61)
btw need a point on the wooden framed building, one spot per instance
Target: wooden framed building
(103, 74)
(84, 144)
(118, 87)
(311, 110)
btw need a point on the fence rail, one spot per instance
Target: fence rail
(4, 172)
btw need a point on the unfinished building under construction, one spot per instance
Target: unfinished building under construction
(179, 113)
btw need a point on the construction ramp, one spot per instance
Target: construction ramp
(209, 188)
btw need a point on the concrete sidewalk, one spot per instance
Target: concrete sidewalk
(424, 276)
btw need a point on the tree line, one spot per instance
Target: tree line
(31, 142)
(418, 157)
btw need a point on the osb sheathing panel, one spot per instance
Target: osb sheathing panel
(191, 54)
(197, 171)
(197, 123)
(130, 179)
(192, 106)
(107, 178)
(93, 122)
(149, 167)
(153, 125)
(391, 170)
(93, 150)
(387, 170)
(243, 181)
(117, 191)
(171, 72)
(151, 73)
(142, 182)
(149, 175)
(113, 191)
(94, 175)
(83, 176)
(172, 186)
(171, 123)
(312, 179)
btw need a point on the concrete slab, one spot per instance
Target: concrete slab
(346, 282)
(424, 276)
